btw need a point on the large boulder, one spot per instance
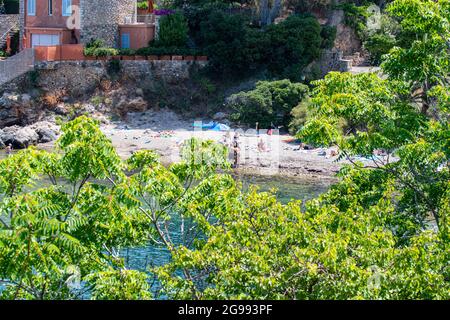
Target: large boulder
(2, 144)
(46, 135)
(18, 137)
(220, 116)
(126, 105)
(16, 109)
(46, 131)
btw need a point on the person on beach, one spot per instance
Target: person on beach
(236, 150)
(8, 149)
(272, 127)
(261, 145)
(226, 140)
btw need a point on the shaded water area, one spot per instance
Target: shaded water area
(288, 188)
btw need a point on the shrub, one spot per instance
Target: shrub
(142, 4)
(328, 34)
(173, 31)
(270, 101)
(294, 44)
(114, 67)
(355, 17)
(300, 115)
(127, 52)
(377, 45)
(105, 52)
(94, 43)
(159, 51)
(96, 48)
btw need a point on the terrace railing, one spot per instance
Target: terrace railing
(140, 19)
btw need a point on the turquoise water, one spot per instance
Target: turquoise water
(145, 257)
(288, 188)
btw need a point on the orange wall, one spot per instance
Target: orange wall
(42, 23)
(140, 35)
(65, 36)
(56, 53)
(42, 19)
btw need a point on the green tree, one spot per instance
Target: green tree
(424, 62)
(69, 229)
(65, 216)
(262, 249)
(384, 114)
(270, 101)
(173, 31)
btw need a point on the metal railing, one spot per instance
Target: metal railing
(16, 65)
(140, 19)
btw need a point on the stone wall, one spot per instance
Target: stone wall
(100, 19)
(81, 77)
(6, 22)
(330, 60)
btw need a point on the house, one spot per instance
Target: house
(60, 22)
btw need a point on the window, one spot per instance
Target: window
(66, 8)
(44, 40)
(31, 7)
(125, 41)
(50, 7)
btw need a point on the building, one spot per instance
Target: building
(59, 22)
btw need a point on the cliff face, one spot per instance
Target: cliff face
(347, 40)
(65, 87)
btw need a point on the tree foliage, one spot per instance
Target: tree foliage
(390, 114)
(173, 31)
(235, 49)
(270, 101)
(382, 232)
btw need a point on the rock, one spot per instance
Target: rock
(26, 99)
(46, 131)
(17, 109)
(88, 108)
(137, 104)
(139, 92)
(61, 109)
(25, 137)
(21, 138)
(18, 137)
(46, 135)
(220, 116)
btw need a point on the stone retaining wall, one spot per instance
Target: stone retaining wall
(80, 77)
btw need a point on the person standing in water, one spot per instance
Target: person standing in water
(236, 150)
(8, 149)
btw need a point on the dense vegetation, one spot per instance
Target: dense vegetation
(237, 48)
(270, 101)
(382, 232)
